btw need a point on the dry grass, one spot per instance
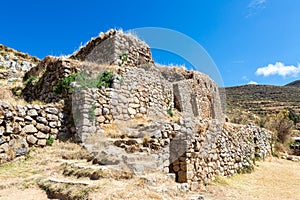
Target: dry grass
(30, 177)
(97, 68)
(119, 129)
(277, 179)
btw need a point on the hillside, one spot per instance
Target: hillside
(294, 84)
(246, 103)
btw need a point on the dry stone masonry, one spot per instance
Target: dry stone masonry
(25, 126)
(150, 118)
(115, 47)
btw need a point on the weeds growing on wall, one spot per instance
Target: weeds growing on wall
(30, 80)
(64, 83)
(83, 81)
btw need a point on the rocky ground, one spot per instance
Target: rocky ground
(61, 171)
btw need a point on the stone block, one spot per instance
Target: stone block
(32, 113)
(31, 139)
(28, 129)
(131, 111)
(42, 142)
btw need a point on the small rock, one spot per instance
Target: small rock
(21, 151)
(176, 127)
(51, 117)
(52, 110)
(2, 141)
(53, 124)
(143, 110)
(41, 135)
(42, 120)
(32, 113)
(8, 114)
(31, 139)
(30, 129)
(101, 119)
(131, 111)
(42, 142)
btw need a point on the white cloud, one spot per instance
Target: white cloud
(252, 83)
(279, 69)
(255, 6)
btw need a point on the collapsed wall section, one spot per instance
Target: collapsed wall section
(48, 74)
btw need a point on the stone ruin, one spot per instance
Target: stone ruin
(152, 118)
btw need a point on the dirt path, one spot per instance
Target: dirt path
(279, 179)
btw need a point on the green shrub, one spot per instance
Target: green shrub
(293, 116)
(30, 80)
(2, 67)
(50, 141)
(170, 112)
(64, 83)
(105, 79)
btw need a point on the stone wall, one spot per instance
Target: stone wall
(48, 73)
(196, 145)
(25, 126)
(115, 48)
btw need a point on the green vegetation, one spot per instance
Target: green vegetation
(104, 79)
(2, 67)
(124, 58)
(293, 116)
(64, 84)
(246, 169)
(170, 112)
(50, 141)
(31, 79)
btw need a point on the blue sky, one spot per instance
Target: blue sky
(249, 40)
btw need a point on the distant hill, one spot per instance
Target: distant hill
(249, 102)
(294, 84)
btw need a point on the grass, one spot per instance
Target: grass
(274, 179)
(27, 179)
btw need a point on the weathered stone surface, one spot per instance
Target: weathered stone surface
(131, 111)
(31, 139)
(42, 120)
(2, 141)
(43, 128)
(52, 110)
(41, 135)
(42, 142)
(32, 113)
(51, 117)
(30, 129)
